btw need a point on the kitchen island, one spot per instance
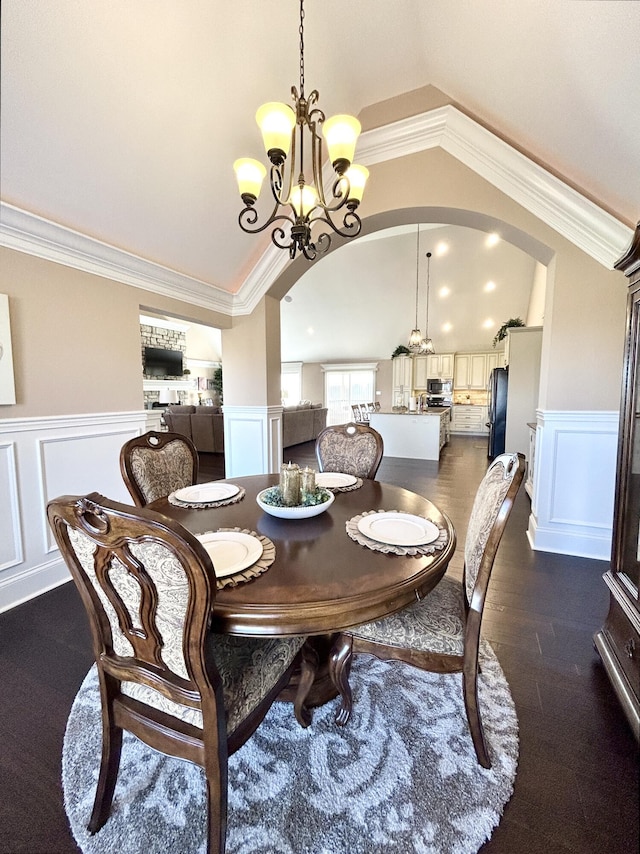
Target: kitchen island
(413, 435)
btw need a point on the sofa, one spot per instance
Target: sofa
(204, 425)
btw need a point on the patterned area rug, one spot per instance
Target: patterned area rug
(401, 777)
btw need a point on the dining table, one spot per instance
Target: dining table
(319, 580)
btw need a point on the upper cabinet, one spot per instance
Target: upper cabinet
(472, 370)
(421, 372)
(440, 366)
(402, 371)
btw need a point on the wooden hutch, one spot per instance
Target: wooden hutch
(619, 640)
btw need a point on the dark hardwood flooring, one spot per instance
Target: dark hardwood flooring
(577, 783)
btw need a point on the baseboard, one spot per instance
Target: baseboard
(32, 582)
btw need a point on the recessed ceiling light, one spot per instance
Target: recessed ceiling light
(444, 291)
(492, 239)
(288, 298)
(442, 248)
(488, 323)
(310, 330)
(490, 286)
(447, 327)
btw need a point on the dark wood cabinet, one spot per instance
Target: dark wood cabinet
(619, 640)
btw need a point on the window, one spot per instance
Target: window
(345, 385)
(291, 383)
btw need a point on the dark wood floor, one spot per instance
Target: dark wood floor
(577, 783)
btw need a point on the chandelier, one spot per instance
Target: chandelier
(299, 205)
(426, 345)
(415, 339)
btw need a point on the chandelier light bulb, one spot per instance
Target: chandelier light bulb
(250, 174)
(276, 122)
(303, 200)
(341, 134)
(357, 176)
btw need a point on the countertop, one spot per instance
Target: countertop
(432, 410)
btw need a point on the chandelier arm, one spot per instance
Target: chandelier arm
(276, 182)
(249, 216)
(351, 224)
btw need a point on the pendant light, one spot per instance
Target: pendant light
(426, 345)
(415, 339)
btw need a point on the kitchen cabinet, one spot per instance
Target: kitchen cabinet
(472, 370)
(421, 372)
(402, 380)
(618, 642)
(412, 435)
(440, 366)
(469, 419)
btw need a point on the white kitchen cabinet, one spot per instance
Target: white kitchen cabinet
(440, 366)
(421, 372)
(472, 370)
(494, 360)
(469, 419)
(402, 373)
(478, 371)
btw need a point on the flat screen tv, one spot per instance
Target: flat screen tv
(162, 363)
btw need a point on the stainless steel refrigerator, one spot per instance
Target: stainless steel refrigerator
(498, 384)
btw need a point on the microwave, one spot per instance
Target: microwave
(444, 387)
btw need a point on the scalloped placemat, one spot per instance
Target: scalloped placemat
(413, 551)
(261, 565)
(353, 486)
(200, 505)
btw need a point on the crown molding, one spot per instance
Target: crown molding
(572, 215)
(35, 235)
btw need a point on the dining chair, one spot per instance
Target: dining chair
(148, 587)
(155, 464)
(441, 632)
(355, 449)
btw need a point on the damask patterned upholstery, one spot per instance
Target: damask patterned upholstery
(354, 449)
(249, 668)
(159, 472)
(435, 624)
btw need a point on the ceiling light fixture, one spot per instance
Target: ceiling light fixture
(415, 339)
(426, 345)
(281, 127)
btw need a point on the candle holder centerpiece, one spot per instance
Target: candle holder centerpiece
(296, 496)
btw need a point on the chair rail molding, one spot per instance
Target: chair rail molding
(574, 483)
(41, 458)
(564, 209)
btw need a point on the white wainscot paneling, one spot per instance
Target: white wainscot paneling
(252, 439)
(574, 483)
(41, 458)
(10, 527)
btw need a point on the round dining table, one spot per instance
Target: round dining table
(321, 580)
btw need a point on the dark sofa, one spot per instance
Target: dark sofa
(204, 425)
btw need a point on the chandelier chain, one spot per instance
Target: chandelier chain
(417, 270)
(301, 31)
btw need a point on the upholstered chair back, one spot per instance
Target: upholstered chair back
(489, 515)
(156, 464)
(148, 588)
(350, 448)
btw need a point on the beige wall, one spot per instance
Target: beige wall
(251, 365)
(76, 338)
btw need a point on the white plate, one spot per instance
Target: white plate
(334, 479)
(203, 493)
(299, 512)
(231, 551)
(398, 529)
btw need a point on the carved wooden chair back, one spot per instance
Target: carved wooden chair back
(355, 449)
(441, 632)
(148, 587)
(155, 464)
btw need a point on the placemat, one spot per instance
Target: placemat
(198, 505)
(387, 548)
(353, 486)
(261, 565)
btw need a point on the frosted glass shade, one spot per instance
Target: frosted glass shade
(250, 175)
(341, 134)
(303, 199)
(276, 121)
(415, 339)
(357, 176)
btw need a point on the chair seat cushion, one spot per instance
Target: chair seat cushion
(248, 667)
(435, 624)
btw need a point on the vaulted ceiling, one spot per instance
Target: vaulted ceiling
(121, 120)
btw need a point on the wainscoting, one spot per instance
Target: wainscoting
(41, 458)
(574, 483)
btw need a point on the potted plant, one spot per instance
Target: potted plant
(401, 350)
(501, 334)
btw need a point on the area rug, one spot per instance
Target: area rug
(401, 777)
